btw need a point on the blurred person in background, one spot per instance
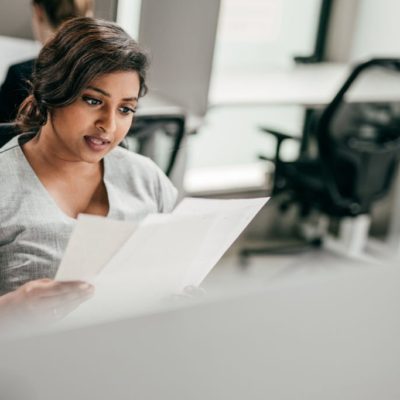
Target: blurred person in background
(47, 16)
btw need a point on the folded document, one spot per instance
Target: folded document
(175, 250)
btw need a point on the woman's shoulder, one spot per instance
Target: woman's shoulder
(13, 176)
(13, 165)
(13, 146)
(10, 150)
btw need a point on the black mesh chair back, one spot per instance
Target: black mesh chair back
(358, 151)
(359, 146)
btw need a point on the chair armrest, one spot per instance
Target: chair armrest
(280, 137)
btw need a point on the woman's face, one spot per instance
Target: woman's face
(97, 121)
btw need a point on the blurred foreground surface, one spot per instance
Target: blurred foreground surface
(319, 327)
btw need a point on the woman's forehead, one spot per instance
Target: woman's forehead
(116, 77)
(123, 83)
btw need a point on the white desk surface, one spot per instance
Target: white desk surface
(334, 336)
(306, 85)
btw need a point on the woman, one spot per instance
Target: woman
(86, 87)
(47, 16)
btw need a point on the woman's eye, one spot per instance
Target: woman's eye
(127, 110)
(91, 101)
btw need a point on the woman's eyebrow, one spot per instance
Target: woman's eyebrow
(103, 92)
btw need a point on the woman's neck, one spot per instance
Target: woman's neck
(46, 156)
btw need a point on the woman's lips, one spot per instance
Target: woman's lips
(96, 143)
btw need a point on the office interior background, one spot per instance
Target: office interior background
(217, 60)
(231, 42)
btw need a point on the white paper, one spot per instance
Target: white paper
(230, 218)
(92, 244)
(164, 253)
(159, 253)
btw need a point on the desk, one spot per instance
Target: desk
(305, 85)
(331, 337)
(311, 86)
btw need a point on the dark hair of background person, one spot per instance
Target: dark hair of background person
(82, 50)
(59, 11)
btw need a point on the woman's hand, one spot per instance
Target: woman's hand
(45, 299)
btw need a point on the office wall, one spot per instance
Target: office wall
(128, 16)
(377, 29)
(180, 35)
(361, 29)
(15, 16)
(341, 30)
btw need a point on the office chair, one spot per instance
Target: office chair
(156, 136)
(358, 150)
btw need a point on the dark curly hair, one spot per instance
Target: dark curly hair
(82, 50)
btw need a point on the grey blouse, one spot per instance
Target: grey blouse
(34, 231)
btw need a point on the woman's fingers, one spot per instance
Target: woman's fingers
(49, 288)
(56, 301)
(44, 297)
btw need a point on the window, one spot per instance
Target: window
(257, 35)
(254, 37)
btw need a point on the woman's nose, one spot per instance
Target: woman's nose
(106, 122)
